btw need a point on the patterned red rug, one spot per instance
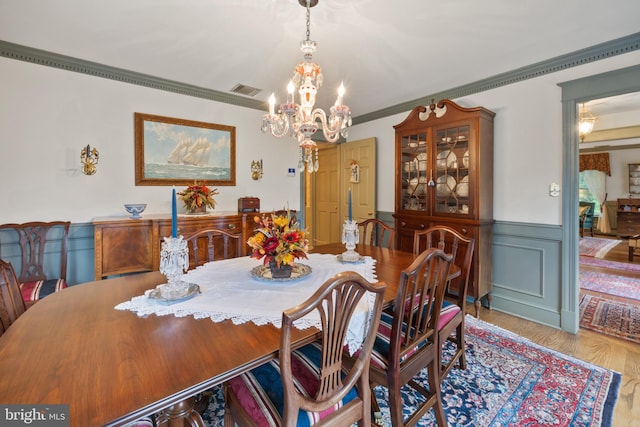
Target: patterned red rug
(611, 265)
(622, 286)
(509, 380)
(596, 247)
(610, 317)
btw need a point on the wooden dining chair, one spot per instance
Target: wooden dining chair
(311, 382)
(216, 244)
(377, 233)
(452, 316)
(11, 302)
(38, 276)
(407, 339)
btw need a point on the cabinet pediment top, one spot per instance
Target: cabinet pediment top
(436, 110)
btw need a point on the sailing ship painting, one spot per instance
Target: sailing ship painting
(192, 153)
(175, 150)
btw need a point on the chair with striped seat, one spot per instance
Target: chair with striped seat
(39, 276)
(452, 315)
(407, 339)
(310, 385)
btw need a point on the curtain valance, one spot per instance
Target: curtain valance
(597, 161)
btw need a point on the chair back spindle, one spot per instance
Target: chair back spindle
(209, 240)
(11, 302)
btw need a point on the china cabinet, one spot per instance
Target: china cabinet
(444, 176)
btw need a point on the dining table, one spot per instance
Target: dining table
(114, 366)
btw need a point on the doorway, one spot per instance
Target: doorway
(612, 83)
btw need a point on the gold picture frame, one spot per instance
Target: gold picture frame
(171, 151)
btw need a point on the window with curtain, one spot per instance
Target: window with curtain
(586, 195)
(592, 180)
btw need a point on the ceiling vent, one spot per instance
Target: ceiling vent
(245, 90)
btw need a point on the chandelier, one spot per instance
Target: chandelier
(301, 120)
(585, 123)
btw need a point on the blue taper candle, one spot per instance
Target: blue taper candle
(174, 214)
(349, 204)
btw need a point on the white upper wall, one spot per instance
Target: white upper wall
(527, 143)
(47, 115)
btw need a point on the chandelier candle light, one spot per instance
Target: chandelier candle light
(301, 121)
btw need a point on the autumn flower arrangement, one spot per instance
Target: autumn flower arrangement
(195, 196)
(278, 239)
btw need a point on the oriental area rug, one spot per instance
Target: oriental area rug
(509, 380)
(610, 317)
(595, 246)
(612, 284)
(611, 265)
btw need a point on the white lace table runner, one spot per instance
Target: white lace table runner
(229, 292)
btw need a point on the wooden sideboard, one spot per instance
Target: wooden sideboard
(125, 245)
(628, 217)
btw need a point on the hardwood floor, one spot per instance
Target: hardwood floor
(609, 352)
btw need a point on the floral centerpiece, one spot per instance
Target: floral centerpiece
(279, 240)
(198, 197)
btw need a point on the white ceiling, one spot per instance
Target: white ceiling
(386, 52)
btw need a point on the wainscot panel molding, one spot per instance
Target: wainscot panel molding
(527, 271)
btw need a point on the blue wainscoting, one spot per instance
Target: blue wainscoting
(80, 252)
(527, 271)
(527, 266)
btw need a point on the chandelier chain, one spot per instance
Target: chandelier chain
(308, 19)
(302, 120)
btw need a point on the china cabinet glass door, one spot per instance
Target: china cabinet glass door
(453, 181)
(415, 163)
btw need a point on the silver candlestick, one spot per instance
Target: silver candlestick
(174, 261)
(350, 237)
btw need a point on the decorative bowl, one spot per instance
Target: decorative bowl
(135, 209)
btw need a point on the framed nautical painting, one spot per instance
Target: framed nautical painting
(171, 151)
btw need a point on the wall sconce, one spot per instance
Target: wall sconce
(256, 169)
(89, 159)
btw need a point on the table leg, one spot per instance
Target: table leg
(179, 415)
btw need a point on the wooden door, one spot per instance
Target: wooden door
(331, 183)
(360, 155)
(325, 222)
